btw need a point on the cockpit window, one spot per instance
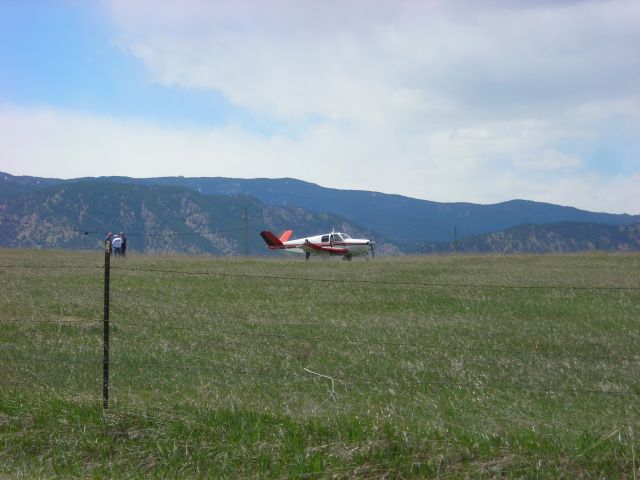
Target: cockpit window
(337, 237)
(345, 236)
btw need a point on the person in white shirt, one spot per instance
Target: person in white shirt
(117, 244)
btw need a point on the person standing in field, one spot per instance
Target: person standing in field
(109, 239)
(117, 245)
(123, 247)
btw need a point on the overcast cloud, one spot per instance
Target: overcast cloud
(442, 100)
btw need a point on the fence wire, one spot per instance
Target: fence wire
(205, 327)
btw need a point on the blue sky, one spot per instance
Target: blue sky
(63, 54)
(442, 100)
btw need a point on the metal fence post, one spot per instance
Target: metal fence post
(105, 324)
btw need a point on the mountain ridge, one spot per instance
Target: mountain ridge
(402, 219)
(400, 224)
(163, 218)
(559, 237)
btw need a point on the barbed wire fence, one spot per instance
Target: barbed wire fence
(104, 366)
(107, 364)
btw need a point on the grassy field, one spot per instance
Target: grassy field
(410, 367)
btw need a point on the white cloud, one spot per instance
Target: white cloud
(441, 100)
(549, 160)
(398, 61)
(465, 165)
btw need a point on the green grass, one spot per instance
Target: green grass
(409, 367)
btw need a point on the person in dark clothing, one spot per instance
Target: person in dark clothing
(109, 238)
(123, 245)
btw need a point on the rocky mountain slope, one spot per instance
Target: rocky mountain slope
(561, 237)
(155, 218)
(402, 219)
(206, 215)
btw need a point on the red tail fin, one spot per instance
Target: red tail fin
(286, 235)
(271, 240)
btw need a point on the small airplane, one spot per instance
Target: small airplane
(329, 244)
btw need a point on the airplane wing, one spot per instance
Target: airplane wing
(313, 248)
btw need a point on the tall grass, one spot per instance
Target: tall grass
(453, 367)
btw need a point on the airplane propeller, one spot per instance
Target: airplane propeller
(371, 245)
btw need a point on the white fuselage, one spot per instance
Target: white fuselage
(331, 244)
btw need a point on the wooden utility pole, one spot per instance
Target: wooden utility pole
(455, 238)
(246, 232)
